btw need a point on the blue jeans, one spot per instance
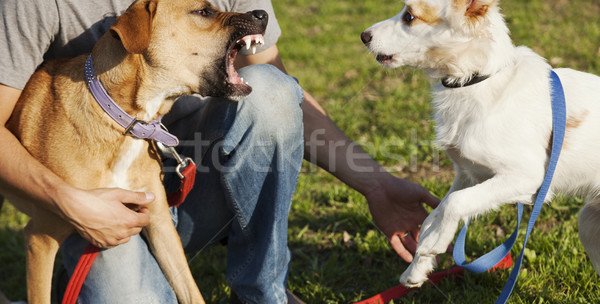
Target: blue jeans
(248, 155)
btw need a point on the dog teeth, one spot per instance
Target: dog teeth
(252, 42)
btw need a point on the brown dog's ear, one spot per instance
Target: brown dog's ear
(134, 27)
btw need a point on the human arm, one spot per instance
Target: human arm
(395, 204)
(99, 215)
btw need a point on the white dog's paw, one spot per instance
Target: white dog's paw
(432, 218)
(431, 235)
(437, 232)
(416, 273)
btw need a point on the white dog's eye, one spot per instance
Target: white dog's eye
(408, 17)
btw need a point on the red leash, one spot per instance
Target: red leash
(187, 183)
(176, 198)
(435, 278)
(83, 267)
(91, 252)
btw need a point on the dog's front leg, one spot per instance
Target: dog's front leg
(166, 246)
(416, 273)
(440, 226)
(41, 252)
(43, 235)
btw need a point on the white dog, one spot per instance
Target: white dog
(493, 117)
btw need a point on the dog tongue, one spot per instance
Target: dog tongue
(234, 79)
(232, 74)
(249, 42)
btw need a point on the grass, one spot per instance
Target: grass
(338, 254)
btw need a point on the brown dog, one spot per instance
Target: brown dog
(155, 52)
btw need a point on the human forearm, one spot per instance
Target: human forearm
(395, 203)
(329, 148)
(99, 215)
(20, 174)
(23, 176)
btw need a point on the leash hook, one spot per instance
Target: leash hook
(182, 163)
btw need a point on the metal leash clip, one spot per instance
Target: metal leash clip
(182, 163)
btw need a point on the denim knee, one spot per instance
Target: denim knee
(266, 136)
(276, 101)
(127, 273)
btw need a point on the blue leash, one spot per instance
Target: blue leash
(493, 257)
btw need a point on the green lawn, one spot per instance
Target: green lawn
(338, 254)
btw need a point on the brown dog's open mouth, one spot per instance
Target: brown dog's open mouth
(237, 84)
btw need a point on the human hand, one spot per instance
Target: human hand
(107, 217)
(396, 207)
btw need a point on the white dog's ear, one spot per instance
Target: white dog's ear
(473, 9)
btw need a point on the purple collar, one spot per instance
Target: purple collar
(140, 129)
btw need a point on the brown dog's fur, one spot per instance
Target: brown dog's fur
(155, 52)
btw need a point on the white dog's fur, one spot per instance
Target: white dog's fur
(497, 132)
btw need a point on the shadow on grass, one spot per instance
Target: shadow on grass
(348, 260)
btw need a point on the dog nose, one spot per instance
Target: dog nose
(366, 37)
(260, 14)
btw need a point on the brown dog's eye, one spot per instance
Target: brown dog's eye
(203, 12)
(408, 17)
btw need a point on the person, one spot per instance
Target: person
(249, 155)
